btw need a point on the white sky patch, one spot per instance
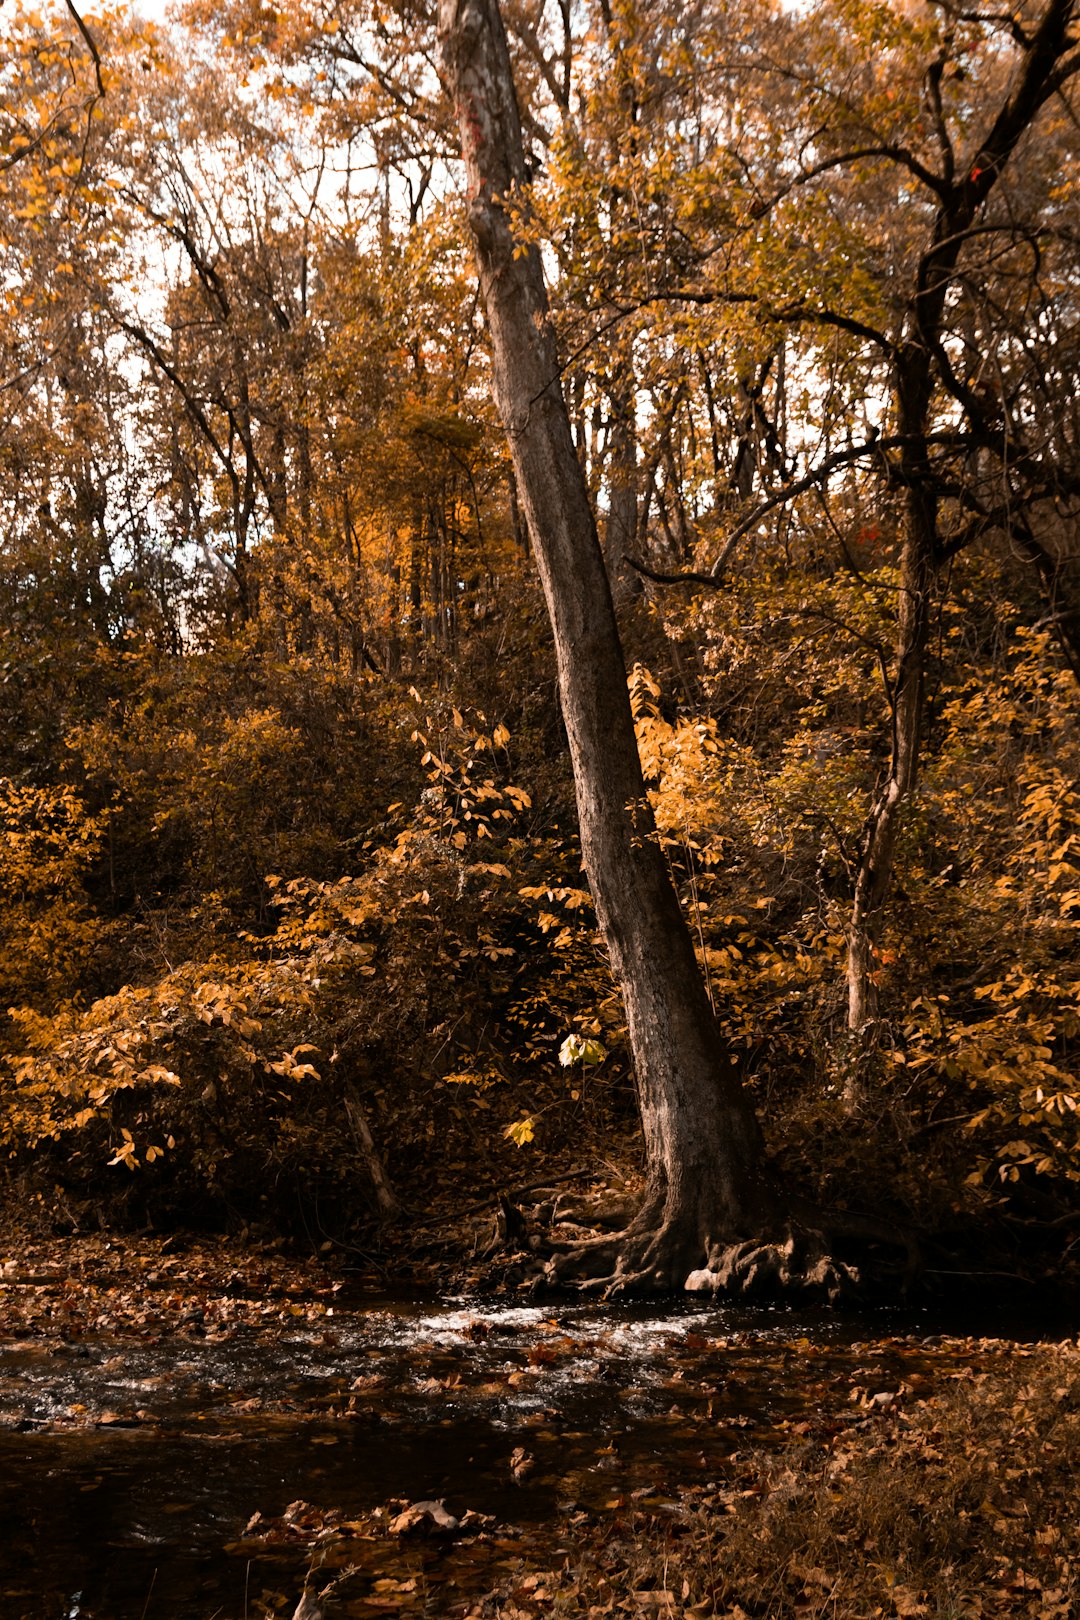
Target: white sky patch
(153, 10)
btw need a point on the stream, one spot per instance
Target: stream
(198, 1471)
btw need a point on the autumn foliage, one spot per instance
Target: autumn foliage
(286, 829)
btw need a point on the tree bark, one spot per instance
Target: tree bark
(707, 1186)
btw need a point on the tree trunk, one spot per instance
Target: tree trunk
(878, 845)
(385, 1199)
(621, 531)
(706, 1183)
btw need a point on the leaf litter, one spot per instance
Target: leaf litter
(586, 1461)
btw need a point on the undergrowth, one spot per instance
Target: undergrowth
(954, 1507)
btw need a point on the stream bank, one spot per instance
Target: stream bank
(192, 1431)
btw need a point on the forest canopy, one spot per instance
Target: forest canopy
(290, 858)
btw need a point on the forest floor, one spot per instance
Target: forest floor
(677, 1461)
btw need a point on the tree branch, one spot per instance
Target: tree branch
(790, 492)
(88, 40)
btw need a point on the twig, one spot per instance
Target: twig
(1012, 1276)
(516, 1192)
(149, 1595)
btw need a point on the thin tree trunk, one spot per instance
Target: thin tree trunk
(706, 1186)
(385, 1198)
(878, 845)
(621, 529)
(517, 528)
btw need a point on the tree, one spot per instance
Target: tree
(708, 1193)
(36, 117)
(921, 369)
(883, 213)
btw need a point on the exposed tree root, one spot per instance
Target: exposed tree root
(631, 1265)
(662, 1254)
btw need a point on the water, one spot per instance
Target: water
(131, 1461)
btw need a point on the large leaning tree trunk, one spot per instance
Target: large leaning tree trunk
(709, 1200)
(920, 370)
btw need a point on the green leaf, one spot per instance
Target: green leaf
(579, 1049)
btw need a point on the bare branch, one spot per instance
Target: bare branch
(90, 43)
(877, 447)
